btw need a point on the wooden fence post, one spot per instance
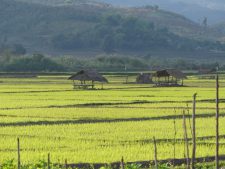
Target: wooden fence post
(174, 141)
(193, 133)
(155, 152)
(49, 161)
(66, 164)
(18, 153)
(217, 122)
(186, 140)
(122, 163)
(189, 118)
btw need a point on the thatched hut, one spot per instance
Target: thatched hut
(87, 78)
(144, 78)
(169, 77)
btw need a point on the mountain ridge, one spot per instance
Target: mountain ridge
(168, 14)
(36, 25)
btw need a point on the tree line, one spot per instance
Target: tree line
(115, 63)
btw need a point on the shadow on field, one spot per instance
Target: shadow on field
(36, 91)
(181, 140)
(86, 121)
(147, 164)
(117, 104)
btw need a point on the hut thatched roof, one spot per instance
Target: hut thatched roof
(171, 72)
(88, 75)
(206, 71)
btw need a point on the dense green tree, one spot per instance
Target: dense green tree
(108, 43)
(17, 49)
(35, 63)
(114, 32)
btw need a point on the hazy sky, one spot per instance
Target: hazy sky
(211, 4)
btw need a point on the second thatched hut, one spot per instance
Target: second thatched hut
(144, 78)
(169, 77)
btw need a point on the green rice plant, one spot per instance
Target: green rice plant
(100, 126)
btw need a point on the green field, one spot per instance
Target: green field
(103, 125)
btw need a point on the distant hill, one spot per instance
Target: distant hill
(176, 23)
(220, 28)
(56, 26)
(64, 2)
(35, 25)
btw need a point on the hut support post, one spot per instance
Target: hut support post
(92, 84)
(193, 133)
(127, 79)
(217, 122)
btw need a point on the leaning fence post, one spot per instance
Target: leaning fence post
(122, 163)
(155, 153)
(186, 140)
(48, 160)
(193, 133)
(174, 141)
(217, 122)
(18, 152)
